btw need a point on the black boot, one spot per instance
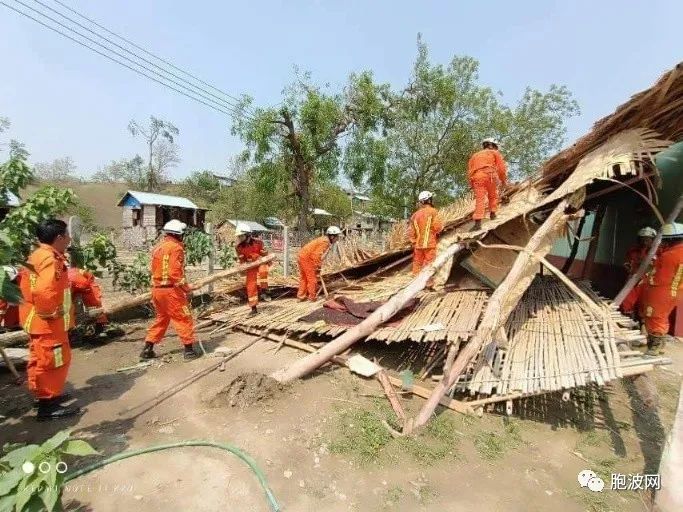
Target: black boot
(64, 397)
(254, 311)
(493, 215)
(264, 296)
(655, 344)
(190, 353)
(477, 225)
(50, 410)
(148, 351)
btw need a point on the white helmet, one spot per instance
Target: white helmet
(672, 230)
(333, 230)
(424, 196)
(490, 140)
(175, 227)
(11, 272)
(242, 229)
(647, 232)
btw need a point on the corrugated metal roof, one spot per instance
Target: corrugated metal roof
(12, 199)
(320, 211)
(255, 226)
(160, 199)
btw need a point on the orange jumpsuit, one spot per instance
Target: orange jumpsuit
(633, 258)
(46, 315)
(169, 292)
(310, 260)
(484, 169)
(257, 278)
(424, 227)
(84, 285)
(662, 290)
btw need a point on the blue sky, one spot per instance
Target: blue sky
(65, 100)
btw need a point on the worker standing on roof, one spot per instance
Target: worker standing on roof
(633, 258)
(310, 261)
(663, 288)
(486, 171)
(425, 227)
(46, 314)
(170, 292)
(250, 249)
(9, 313)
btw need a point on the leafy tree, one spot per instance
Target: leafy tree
(438, 120)
(132, 172)
(202, 187)
(159, 136)
(59, 170)
(300, 143)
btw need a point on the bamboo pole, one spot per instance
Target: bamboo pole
(495, 314)
(635, 278)
(366, 327)
(13, 338)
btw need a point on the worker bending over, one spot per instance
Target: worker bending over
(250, 249)
(170, 292)
(9, 313)
(425, 227)
(46, 314)
(310, 261)
(486, 171)
(663, 288)
(634, 256)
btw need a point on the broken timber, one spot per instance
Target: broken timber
(379, 316)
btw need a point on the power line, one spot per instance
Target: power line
(144, 50)
(228, 103)
(213, 106)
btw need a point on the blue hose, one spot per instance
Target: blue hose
(227, 447)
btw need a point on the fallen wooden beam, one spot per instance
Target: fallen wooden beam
(385, 312)
(383, 379)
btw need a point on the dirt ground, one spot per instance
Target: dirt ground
(320, 441)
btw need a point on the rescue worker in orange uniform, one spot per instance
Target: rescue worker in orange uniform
(9, 313)
(46, 314)
(170, 292)
(633, 258)
(486, 171)
(310, 261)
(251, 249)
(663, 288)
(425, 227)
(84, 285)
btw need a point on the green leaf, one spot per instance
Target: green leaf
(18, 456)
(78, 447)
(35, 504)
(7, 503)
(55, 441)
(8, 481)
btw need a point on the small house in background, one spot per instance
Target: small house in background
(145, 213)
(11, 201)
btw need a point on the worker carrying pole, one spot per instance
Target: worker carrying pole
(310, 262)
(250, 248)
(634, 256)
(425, 226)
(170, 292)
(486, 171)
(663, 288)
(46, 314)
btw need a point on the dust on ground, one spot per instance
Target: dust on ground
(246, 390)
(322, 445)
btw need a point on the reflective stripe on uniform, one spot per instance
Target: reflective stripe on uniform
(67, 308)
(425, 235)
(164, 269)
(677, 280)
(416, 227)
(29, 319)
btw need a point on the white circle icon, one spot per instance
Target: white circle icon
(61, 467)
(585, 476)
(596, 484)
(44, 467)
(28, 467)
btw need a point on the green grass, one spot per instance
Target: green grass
(494, 445)
(360, 434)
(592, 501)
(394, 496)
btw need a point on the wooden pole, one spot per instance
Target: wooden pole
(635, 278)
(575, 246)
(593, 246)
(495, 314)
(13, 338)
(367, 326)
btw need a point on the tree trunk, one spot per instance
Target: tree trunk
(13, 338)
(495, 314)
(150, 170)
(635, 278)
(304, 203)
(379, 316)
